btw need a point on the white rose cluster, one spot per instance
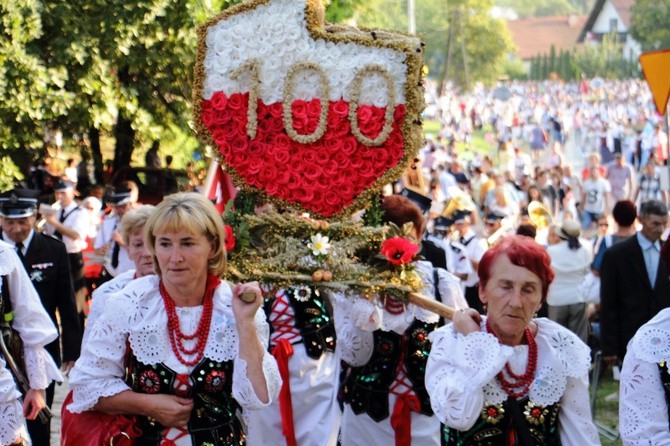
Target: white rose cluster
(276, 35)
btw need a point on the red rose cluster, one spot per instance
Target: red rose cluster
(399, 250)
(324, 176)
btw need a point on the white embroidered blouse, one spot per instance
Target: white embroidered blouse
(137, 314)
(34, 326)
(461, 377)
(643, 408)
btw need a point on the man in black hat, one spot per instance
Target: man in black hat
(45, 260)
(109, 242)
(71, 225)
(457, 262)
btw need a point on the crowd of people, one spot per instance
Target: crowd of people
(542, 266)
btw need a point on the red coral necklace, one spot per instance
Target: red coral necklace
(518, 385)
(177, 338)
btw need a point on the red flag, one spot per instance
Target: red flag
(218, 186)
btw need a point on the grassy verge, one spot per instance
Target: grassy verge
(607, 407)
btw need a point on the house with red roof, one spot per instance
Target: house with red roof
(534, 36)
(611, 16)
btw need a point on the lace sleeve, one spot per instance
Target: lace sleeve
(643, 410)
(575, 421)
(40, 367)
(354, 345)
(458, 369)
(243, 389)
(99, 370)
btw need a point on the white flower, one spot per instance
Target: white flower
(319, 245)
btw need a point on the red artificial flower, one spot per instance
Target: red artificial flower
(208, 117)
(235, 102)
(399, 250)
(219, 100)
(230, 238)
(341, 108)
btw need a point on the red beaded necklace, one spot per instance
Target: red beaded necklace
(177, 338)
(518, 385)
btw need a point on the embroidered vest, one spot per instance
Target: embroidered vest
(366, 388)
(312, 319)
(501, 424)
(216, 416)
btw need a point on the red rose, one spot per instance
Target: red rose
(333, 121)
(219, 100)
(299, 110)
(341, 159)
(311, 171)
(276, 110)
(240, 121)
(282, 156)
(364, 114)
(283, 177)
(223, 116)
(322, 157)
(367, 170)
(332, 199)
(349, 145)
(282, 141)
(314, 108)
(206, 105)
(268, 173)
(231, 131)
(330, 168)
(230, 238)
(224, 148)
(208, 117)
(219, 136)
(239, 144)
(399, 250)
(257, 148)
(341, 108)
(254, 165)
(355, 162)
(235, 102)
(271, 188)
(309, 156)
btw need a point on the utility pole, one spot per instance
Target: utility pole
(411, 17)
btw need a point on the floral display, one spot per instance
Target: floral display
(399, 250)
(311, 116)
(230, 238)
(300, 253)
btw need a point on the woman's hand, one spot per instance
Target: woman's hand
(466, 321)
(245, 309)
(170, 410)
(33, 402)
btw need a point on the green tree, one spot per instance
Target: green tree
(31, 91)
(460, 35)
(649, 23)
(552, 65)
(605, 59)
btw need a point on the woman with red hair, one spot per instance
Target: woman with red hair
(508, 377)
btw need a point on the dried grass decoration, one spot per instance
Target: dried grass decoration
(311, 116)
(288, 251)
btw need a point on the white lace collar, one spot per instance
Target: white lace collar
(561, 354)
(652, 341)
(140, 311)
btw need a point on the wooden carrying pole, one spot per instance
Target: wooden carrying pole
(431, 305)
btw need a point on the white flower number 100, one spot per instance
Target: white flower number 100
(253, 67)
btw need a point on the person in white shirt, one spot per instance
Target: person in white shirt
(109, 241)
(32, 323)
(595, 198)
(508, 377)
(475, 247)
(71, 225)
(571, 260)
(643, 397)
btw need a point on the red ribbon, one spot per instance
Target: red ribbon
(282, 351)
(401, 419)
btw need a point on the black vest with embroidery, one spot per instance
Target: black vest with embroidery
(366, 388)
(665, 380)
(216, 416)
(312, 319)
(501, 425)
